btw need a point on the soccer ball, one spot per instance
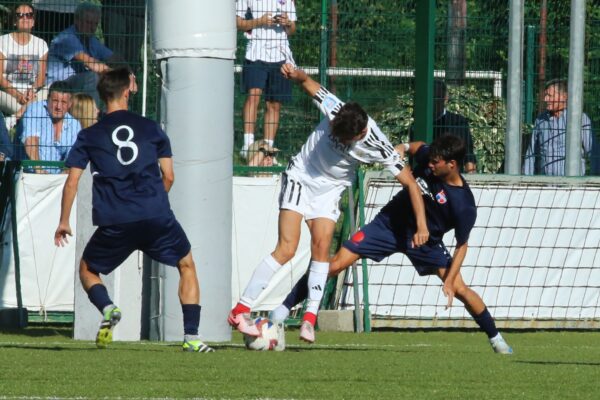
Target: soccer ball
(268, 336)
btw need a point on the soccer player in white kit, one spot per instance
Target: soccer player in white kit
(311, 188)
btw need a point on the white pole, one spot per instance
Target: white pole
(196, 49)
(145, 68)
(575, 97)
(512, 144)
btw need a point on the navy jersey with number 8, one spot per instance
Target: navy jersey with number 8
(123, 149)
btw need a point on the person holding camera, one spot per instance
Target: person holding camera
(266, 24)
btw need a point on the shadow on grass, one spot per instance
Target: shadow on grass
(591, 364)
(41, 331)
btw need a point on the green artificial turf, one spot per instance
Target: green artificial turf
(47, 363)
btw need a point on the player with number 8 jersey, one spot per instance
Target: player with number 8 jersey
(132, 170)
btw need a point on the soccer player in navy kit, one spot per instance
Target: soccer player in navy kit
(449, 204)
(132, 172)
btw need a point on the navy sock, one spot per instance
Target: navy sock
(486, 323)
(298, 294)
(191, 318)
(98, 295)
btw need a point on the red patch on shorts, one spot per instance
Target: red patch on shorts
(357, 237)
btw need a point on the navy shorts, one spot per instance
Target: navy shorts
(161, 238)
(377, 240)
(267, 77)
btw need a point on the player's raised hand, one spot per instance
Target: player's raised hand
(448, 290)
(60, 236)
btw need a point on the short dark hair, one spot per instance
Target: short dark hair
(448, 147)
(350, 120)
(112, 83)
(59, 87)
(561, 84)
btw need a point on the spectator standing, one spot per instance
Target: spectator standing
(449, 123)
(83, 109)
(76, 55)
(267, 25)
(547, 147)
(23, 64)
(48, 130)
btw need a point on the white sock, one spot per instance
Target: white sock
(497, 337)
(270, 142)
(260, 280)
(317, 278)
(279, 314)
(248, 139)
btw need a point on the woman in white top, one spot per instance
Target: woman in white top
(22, 64)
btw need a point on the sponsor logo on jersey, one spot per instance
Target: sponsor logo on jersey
(357, 237)
(441, 197)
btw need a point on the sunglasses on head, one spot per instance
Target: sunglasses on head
(267, 153)
(27, 15)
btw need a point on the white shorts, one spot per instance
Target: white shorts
(311, 197)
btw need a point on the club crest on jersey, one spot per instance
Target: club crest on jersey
(357, 237)
(329, 102)
(441, 197)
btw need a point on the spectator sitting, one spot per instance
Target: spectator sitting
(547, 148)
(84, 110)
(22, 65)
(76, 55)
(262, 154)
(48, 130)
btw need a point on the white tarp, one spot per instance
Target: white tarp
(48, 272)
(255, 216)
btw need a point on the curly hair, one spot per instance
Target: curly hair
(350, 120)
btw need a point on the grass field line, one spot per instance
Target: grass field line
(125, 398)
(226, 345)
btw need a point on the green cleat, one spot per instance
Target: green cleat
(105, 333)
(197, 346)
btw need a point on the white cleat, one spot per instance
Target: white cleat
(500, 346)
(307, 332)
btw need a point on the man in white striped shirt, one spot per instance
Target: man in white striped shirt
(266, 24)
(311, 188)
(547, 149)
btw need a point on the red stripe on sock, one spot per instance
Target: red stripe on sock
(240, 309)
(310, 317)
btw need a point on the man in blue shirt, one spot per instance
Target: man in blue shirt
(449, 204)
(76, 55)
(132, 168)
(48, 130)
(548, 144)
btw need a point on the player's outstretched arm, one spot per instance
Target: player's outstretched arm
(297, 75)
(166, 169)
(68, 197)
(407, 180)
(458, 257)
